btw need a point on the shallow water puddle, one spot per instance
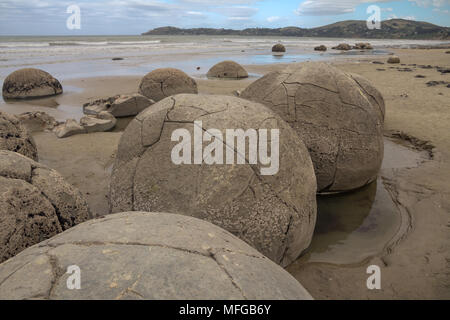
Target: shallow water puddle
(356, 225)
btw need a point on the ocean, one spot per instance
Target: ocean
(68, 57)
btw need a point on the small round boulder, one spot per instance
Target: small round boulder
(147, 256)
(162, 83)
(393, 59)
(35, 203)
(278, 48)
(15, 137)
(271, 206)
(30, 83)
(227, 70)
(339, 116)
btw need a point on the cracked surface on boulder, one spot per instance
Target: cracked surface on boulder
(30, 83)
(141, 255)
(275, 214)
(227, 70)
(162, 83)
(15, 137)
(339, 116)
(35, 203)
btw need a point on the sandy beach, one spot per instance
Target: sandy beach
(413, 253)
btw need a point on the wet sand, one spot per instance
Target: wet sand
(401, 223)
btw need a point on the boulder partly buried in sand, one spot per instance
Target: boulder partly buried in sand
(393, 59)
(320, 48)
(275, 213)
(363, 46)
(339, 117)
(35, 203)
(227, 70)
(343, 47)
(15, 137)
(30, 83)
(278, 48)
(162, 83)
(150, 256)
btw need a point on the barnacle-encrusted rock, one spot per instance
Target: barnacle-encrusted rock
(15, 137)
(30, 83)
(339, 116)
(142, 255)
(275, 213)
(35, 203)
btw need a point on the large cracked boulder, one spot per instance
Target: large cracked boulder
(227, 70)
(35, 204)
(165, 82)
(15, 137)
(152, 256)
(339, 116)
(275, 213)
(30, 83)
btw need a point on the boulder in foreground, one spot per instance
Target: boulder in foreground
(15, 137)
(339, 116)
(275, 213)
(30, 83)
(141, 255)
(35, 204)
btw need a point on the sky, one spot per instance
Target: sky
(128, 17)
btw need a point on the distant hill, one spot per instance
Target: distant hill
(390, 29)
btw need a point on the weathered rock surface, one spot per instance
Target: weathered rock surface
(119, 105)
(227, 70)
(69, 128)
(15, 137)
(35, 204)
(393, 59)
(363, 46)
(104, 121)
(342, 46)
(278, 48)
(141, 255)
(97, 106)
(35, 121)
(165, 82)
(339, 116)
(321, 48)
(274, 213)
(30, 83)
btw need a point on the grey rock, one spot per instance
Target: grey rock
(69, 128)
(275, 214)
(393, 59)
(278, 48)
(129, 105)
(104, 121)
(227, 70)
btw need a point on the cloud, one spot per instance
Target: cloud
(431, 3)
(331, 7)
(273, 19)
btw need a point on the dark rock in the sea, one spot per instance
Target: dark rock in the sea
(443, 70)
(394, 59)
(425, 66)
(447, 52)
(420, 76)
(198, 68)
(436, 83)
(15, 137)
(117, 59)
(227, 70)
(321, 48)
(30, 83)
(278, 48)
(363, 46)
(165, 82)
(377, 62)
(381, 69)
(343, 47)
(404, 69)
(35, 203)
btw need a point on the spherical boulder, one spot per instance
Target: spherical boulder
(393, 59)
(35, 203)
(227, 70)
(162, 83)
(274, 210)
(278, 48)
(142, 255)
(339, 116)
(15, 137)
(30, 83)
